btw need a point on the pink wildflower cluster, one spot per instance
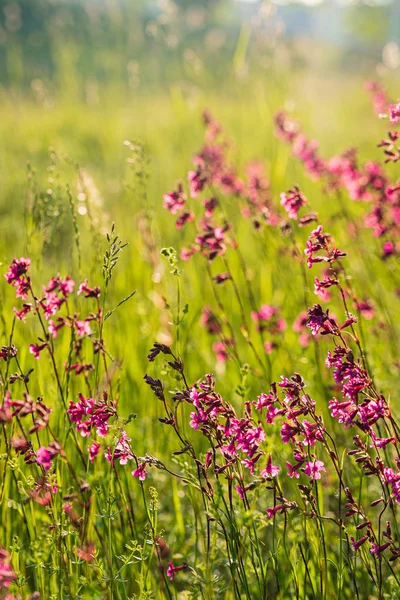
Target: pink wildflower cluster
(304, 149)
(7, 573)
(89, 414)
(302, 433)
(55, 296)
(16, 276)
(18, 409)
(362, 182)
(213, 173)
(318, 242)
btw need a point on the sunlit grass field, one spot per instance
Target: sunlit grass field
(69, 169)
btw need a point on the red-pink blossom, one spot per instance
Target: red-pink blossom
(314, 469)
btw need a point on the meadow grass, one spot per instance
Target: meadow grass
(78, 163)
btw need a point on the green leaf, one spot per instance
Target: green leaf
(110, 312)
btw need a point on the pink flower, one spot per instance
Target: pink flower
(186, 253)
(140, 472)
(366, 308)
(51, 304)
(394, 112)
(292, 470)
(172, 570)
(221, 350)
(356, 545)
(221, 278)
(54, 328)
(318, 319)
(269, 347)
(22, 287)
(240, 491)
(44, 456)
(175, 201)
(313, 469)
(197, 418)
(94, 450)
(197, 182)
(83, 328)
(292, 201)
(67, 286)
(288, 432)
(88, 413)
(36, 349)
(186, 217)
(265, 313)
(87, 291)
(270, 470)
(210, 321)
(379, 96)
(17, 269)
(7, 575)
(272, 413)
(271, 512)
(21, 314)
(388, 249)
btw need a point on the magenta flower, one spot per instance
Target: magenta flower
(319, 319)
(265, 313)
(388, 249)
(197, 418)
(221, 278)
(197, 182)
(270, 470)
(240, 491)
(122, 450)
(87, 291)
(292, 470)
(36, 349)
(83, 328)
(272, 413)
(88, 413)
(210, 321)
(186, 253)
(271, 512)
(21, 314)
(186, 217)
(44, 456)
(94, 450)
(269, 347)
(394, 112)
(7, 574)
(175, 201)
(140, 472)
(313, 469)
(292, 201)
(288, 432)
(356, 544)
(54, 328)
(376, 550)
(172, 570)
(17, 269)
(221, 350)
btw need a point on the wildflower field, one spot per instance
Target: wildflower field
(199, 321)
